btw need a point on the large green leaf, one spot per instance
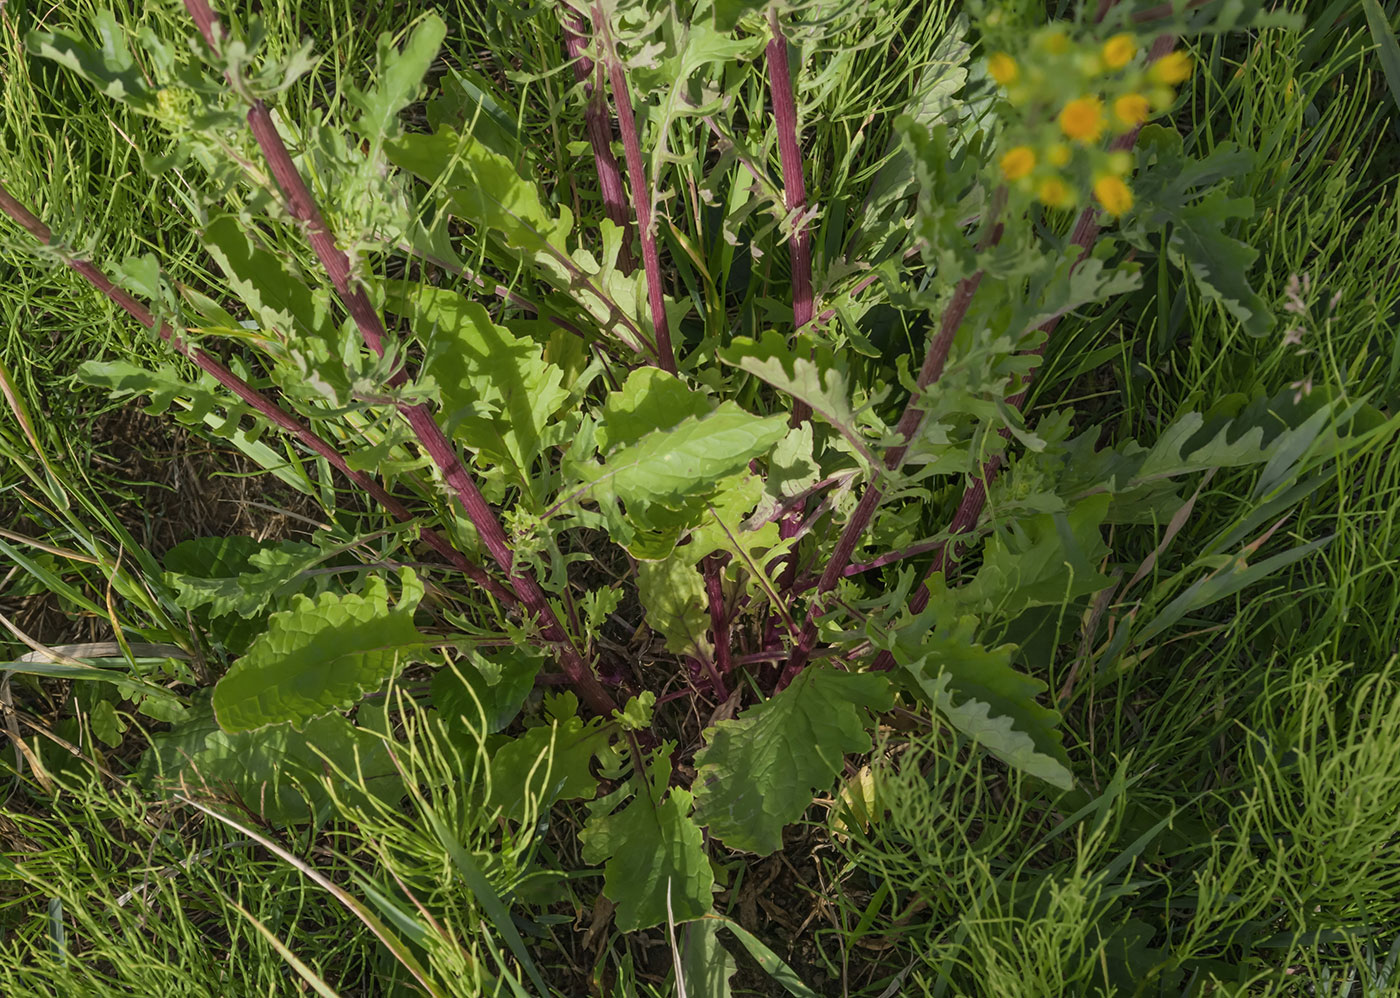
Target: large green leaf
(668, 467)
(656, 868)
(650, 399)
(758, 773)
(811, 374)
(321, 655)
(276, 770)
(976, 691)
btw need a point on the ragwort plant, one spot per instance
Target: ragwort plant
(793, 442)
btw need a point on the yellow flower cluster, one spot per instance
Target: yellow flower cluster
(1066, 97)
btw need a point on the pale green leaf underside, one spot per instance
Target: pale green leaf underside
(978, 693)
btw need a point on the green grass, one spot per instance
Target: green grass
(1243, 792)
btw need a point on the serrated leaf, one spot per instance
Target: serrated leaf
(486, 691)
(400, 77)
(111, 69)
(201, 403)
(977, 692)
(1219, 263)
(651, 848)
(759, 771)
(673, 593)
(321, 655)
(484, 188)
(1046, 560)
(107, 725)
(272, 571)
(545, 764)
(280, 299)
(809, 374)
(498, 391)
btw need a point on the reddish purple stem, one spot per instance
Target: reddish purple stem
(260, 402)
(930, 372)
(641, 195)
(713, 566)
(974, 499)
(302, 206)
(595, 117)
(794, 185)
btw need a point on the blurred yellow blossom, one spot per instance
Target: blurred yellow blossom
(1171, 69)
(1055, 193)
(1113, 194)
(1003, 68)
(1082, 119)
(1018, 163)
(1058, 154)
(1118, 51)
(1131, 110)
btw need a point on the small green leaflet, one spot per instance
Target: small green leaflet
(759, 771)
(321, 656)
(400, 76)
(976, 690)
(651, 849)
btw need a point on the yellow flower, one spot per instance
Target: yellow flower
(1113, 194)
(1003, 68)
(1119, 163)
(1171, 69)
(1118, 51)
(1055, 41)
(1082, 119)
(1055, 193)
(1017, 163)
(1059, 154)
(1131, 110)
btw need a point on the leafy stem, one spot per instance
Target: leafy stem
(269, 409)
(302, 206)
(641, 192)
(595, 117)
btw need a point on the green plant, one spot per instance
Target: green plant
(766, 512)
